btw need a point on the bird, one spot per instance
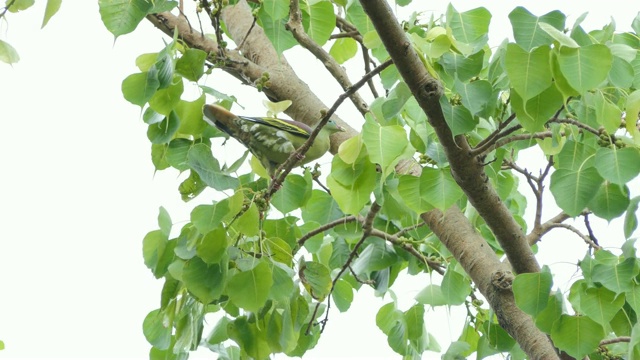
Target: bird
(270, 140)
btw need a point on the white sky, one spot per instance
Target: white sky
(78, 190)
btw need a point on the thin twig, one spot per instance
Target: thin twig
(436, 266)
(409, 228)
(286, 167)
(579, 233)
(587, 224)
(323, 228)
(248, 32)
(367, 226)
(349, 34)
(615, 340)
(489, 139)
(575, 123)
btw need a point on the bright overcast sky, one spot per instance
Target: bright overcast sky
(79, 191)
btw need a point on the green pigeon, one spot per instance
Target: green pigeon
(271, 140)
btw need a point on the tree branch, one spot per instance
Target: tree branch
(480, 262)
(467, 170)
(323, 228)
(338, 72)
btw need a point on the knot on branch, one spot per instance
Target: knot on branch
(502, 279)
(431, 88)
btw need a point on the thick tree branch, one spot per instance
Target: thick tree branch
(536, 234)
(467, 170)
(491, 277)
(338, 72)
(471, 250)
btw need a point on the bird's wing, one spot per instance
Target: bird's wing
(290, 126)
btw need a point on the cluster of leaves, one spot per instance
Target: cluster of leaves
(8, 53)
(562, 91)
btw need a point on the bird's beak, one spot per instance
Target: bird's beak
(217, 114)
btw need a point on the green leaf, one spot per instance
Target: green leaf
(219, 332)
(164, 65)
(123, 16)
(377, 256)
(538, 110)
(213, 246)
(165, 100)
(8, 54)
(470, 25)
(585, 67)
(455, 287)
(576, 335)
(531, 291)
(631, 219)
(559, 36)
(283, 286)
(278, 250)
(276, 9)
(318, 19)
(352, 184)
(617, 278)
(20, 5)
(343, 49)
(249, 289)
(434, 188)
(498, 338)
(294, 193)
(163, 132)
(52, 8)
(618, 165)
(476, 96)
(343, 295)
(190, 115)
(529, 72)
(387, 316)
(154, 245)
(164, 221)
(316, 278)
(156, 330)
(464, 68)
(191, 64)
(621, 74)
(573, 190)
(251, 339)
(386, 145)
(457, 117)
(280, 38)
(140, 88)
(205, 282)
(601, 304)
(526, 30)
(321, 208)
(610, 201)
(248, 223)
(431, 295)
(177, 152)
(548, 316)
(202, 162)
(574, 155)
(208, 217)
(607, 114)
